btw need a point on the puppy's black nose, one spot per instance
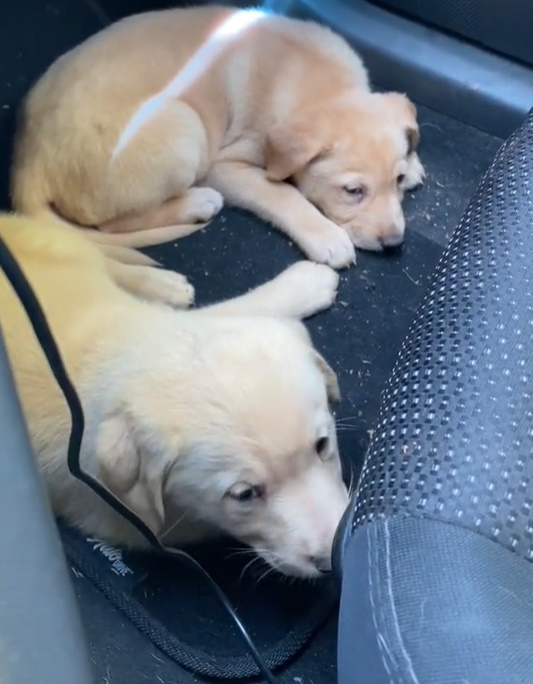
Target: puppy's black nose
(321, 563)
(391, 243)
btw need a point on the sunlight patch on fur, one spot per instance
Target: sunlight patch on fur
(193, 69)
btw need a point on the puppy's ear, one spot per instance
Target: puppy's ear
(330, 378)
(291, 145)
(129, 470)
(405, 112)
(413, 138)
(329, 375)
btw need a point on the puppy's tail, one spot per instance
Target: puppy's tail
(117, 250)
(143, 238)
(125, 241)
(27, 199)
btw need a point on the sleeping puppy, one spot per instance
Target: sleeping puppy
(203, 422)
(272, 114)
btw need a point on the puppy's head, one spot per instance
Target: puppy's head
(353, 158)
(243, 440)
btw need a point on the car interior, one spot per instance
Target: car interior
(432, 571)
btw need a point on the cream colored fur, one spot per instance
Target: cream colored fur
(185, 411)
(276, 117)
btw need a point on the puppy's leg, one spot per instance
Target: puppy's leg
(144, 194)
(126, 255)
(152, 284)
(280, 203)
(300, 291)
(415, 173)
(195, 206)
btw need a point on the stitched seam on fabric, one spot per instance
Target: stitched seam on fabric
(392, 604)
(373, 588)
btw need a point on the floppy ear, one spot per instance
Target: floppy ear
(405, 112)
(413, 138)
(291, 145)
(330, 378)
(126, 468)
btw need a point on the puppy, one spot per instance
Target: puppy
(203, 422)
(273, 114)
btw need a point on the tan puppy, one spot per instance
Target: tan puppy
(202, 422)
(271, 113)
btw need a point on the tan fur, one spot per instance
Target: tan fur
(184, 410)
(282, 122)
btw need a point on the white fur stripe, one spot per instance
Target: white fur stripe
(193, 69)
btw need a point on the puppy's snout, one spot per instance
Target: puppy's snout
(321, 563)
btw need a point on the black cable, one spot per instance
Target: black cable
(37, 319)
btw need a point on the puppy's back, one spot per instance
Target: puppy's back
(68, 275)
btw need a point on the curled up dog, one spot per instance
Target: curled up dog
(268, 113)
(203, 422)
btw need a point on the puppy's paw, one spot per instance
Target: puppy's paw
(312, 286)
(415, 173)
(201, 205)
(331, 246)
(168, 287)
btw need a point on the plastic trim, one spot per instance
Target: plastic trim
(41, 637)
(446, 74)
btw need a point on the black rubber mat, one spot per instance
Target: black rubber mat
(360, 336)
(176, 610)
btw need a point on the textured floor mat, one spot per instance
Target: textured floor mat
(177, 610)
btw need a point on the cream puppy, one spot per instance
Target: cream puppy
(272, 114)
(211, 421)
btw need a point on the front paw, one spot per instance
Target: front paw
(170, 288)
(329, 245)
(314, 286)
(415, 173)
(202, 204)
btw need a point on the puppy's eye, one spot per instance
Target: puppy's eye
(243, 492)
(321, 446)
(401, 178)
(357, 193)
